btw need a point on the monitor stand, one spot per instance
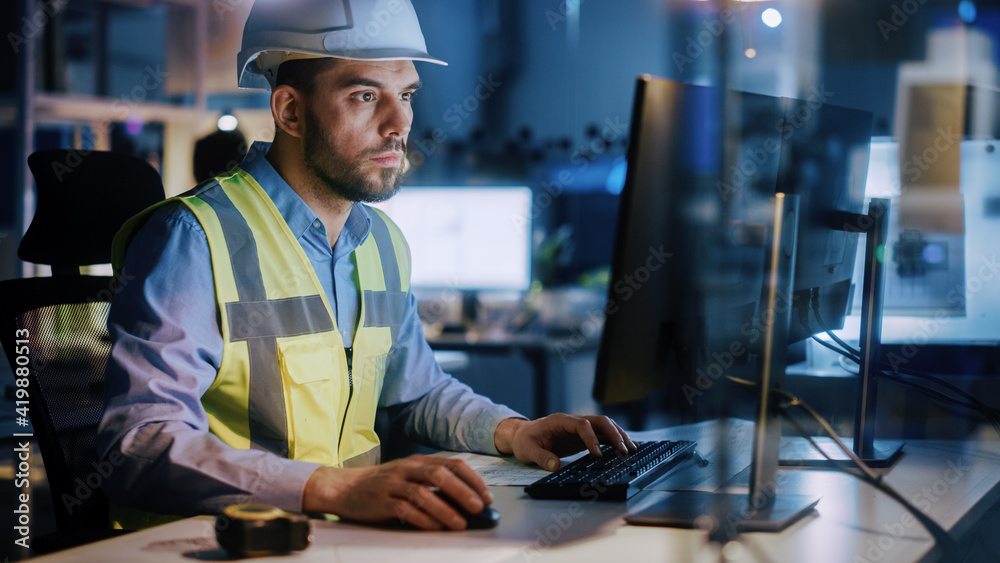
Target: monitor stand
(763, 508)
(875, 453)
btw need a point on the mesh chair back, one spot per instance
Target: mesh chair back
(68, 350)
(78, 211)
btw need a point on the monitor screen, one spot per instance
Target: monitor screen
(703, 165)
(466, 238)
(688, 262)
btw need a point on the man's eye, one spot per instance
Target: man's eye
(407, 96)
(366, 97)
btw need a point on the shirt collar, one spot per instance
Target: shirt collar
(296, 213)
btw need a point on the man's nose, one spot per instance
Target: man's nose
(396, 119)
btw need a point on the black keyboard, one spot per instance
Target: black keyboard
(613, 476)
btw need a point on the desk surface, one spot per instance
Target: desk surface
(955, 483)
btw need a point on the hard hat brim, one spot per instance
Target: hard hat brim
(251, 76)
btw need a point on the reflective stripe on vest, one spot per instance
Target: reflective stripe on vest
(283, 382)
(385, 308)
(260, 321)
(281, 340)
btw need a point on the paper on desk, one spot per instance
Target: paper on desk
(688, 476)
(504, 471)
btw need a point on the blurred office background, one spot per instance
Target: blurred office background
(538, 94)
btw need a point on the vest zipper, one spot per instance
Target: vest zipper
(350, 394)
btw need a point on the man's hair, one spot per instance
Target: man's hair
(301, 73)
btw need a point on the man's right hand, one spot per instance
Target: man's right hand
(399, 489)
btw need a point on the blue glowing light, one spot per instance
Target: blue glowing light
(933, 254)
(967, 11)
(616, 177)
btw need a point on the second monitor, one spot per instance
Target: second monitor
(466, 238)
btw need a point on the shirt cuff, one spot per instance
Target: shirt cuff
(283, 483)
(489, 419)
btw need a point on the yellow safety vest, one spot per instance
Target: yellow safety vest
(286, 383)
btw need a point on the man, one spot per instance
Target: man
(264, 316)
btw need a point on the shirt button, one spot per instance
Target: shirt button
(317, 223)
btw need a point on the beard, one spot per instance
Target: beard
(343, 176)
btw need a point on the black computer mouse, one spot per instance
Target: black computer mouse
(487, 518)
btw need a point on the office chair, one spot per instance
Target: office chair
(83, 199)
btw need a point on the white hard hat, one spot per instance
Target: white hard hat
(370, 30)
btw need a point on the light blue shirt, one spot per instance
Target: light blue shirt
(167, 347)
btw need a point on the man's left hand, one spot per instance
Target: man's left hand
(545, 440)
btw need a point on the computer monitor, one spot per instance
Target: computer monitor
(688, 262)
(704, 198)
(466, 238)
(705, 259)
(824, 161)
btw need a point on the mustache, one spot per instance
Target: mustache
(390, 145)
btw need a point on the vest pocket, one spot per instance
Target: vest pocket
(312, 398)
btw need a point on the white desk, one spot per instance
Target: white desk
(956, 483)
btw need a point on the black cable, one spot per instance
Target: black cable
(854, 355)
(991, 414)
(984, 410)
(814, 303)
(911, 372)
(945, 384)
(867, 474)
(940, 535)
(842, 352)
(805, 434)
(942, 398)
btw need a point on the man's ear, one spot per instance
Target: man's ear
(286, 105)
